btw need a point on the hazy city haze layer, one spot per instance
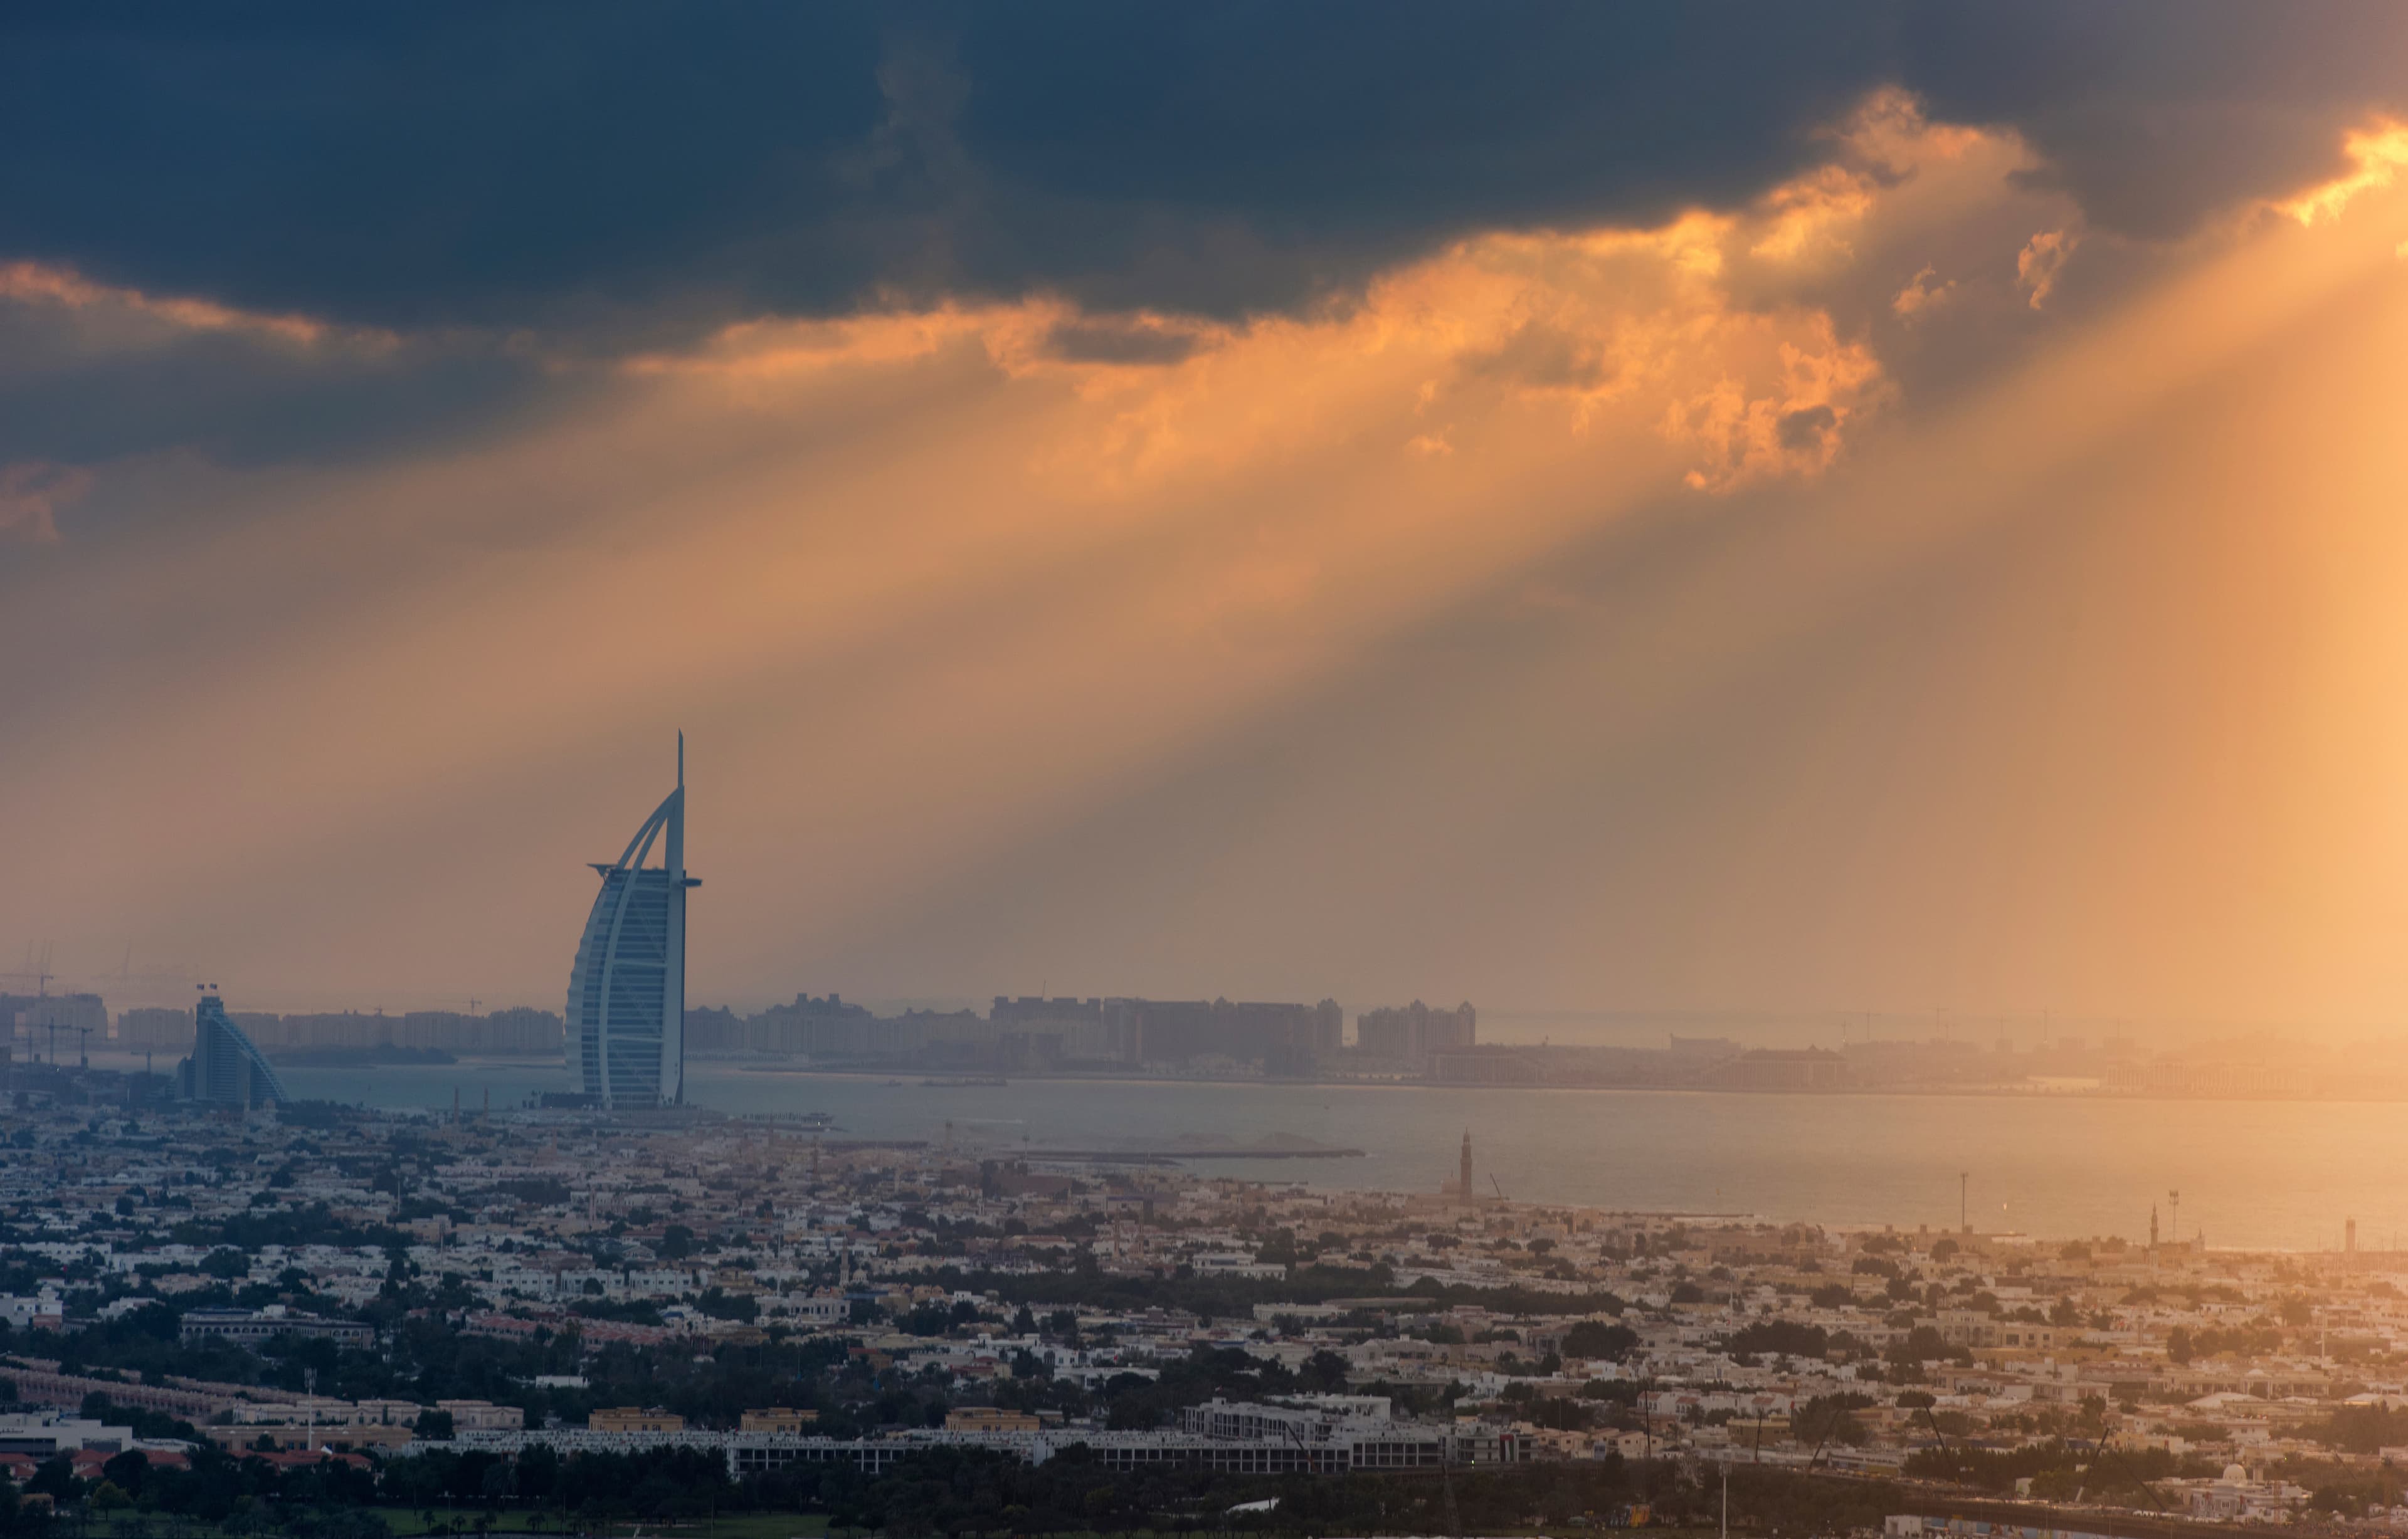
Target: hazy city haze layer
(2264, 1174)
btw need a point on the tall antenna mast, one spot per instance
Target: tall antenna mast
(673, 858)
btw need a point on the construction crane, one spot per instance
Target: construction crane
(1955, 1460)
(37, 969)
(2131, 1472)
(1647, 1455)
(156, 976)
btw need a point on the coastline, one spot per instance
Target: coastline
(912, 1077)
(1125, 1076)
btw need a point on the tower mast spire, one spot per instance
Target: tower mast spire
(675, 854)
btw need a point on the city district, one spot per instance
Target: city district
(310, 1318)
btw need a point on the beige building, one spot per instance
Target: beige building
(630, 1418)
(986, 1418)
(484, 1416)
(321, 1434)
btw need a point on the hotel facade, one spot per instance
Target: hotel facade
(627, 997)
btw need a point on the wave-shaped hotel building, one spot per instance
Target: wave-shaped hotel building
(626, 999)
(226, 1069)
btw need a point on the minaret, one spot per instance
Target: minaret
(2153, 1232)
(1465, 1186)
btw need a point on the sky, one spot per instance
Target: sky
(1859, 509)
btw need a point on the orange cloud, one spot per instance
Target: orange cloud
(773, 350)
(1705, 333)
(2377, 151)
(1812, 211)
(2040, 262)
(1924, 292)
(1880, 148)
(1597, 332)
(37, 283)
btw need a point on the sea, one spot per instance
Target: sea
(2253, 1174)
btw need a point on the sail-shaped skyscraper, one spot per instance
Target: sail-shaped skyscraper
(225, 1069)
(626, 999)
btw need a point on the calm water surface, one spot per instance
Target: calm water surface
(2251, 1174)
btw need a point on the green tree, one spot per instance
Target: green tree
(1596, 1339)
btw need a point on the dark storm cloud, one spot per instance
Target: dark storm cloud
(604, 169)
(506, 166)
(2152, 115)
(238, 397)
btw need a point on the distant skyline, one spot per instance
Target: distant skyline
(1878, 508)
(1505, 1023)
